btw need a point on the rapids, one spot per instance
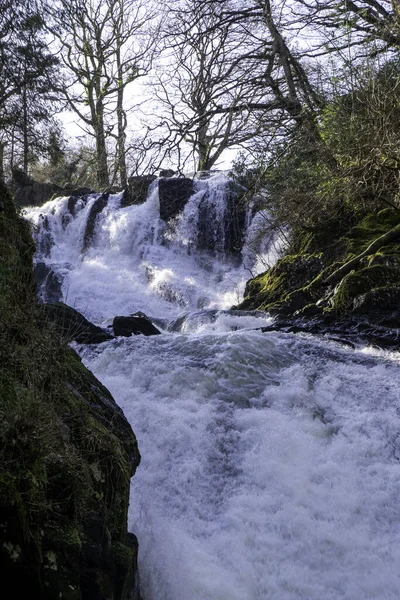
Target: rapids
(270, 462)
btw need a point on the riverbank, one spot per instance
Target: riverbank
(338, 279)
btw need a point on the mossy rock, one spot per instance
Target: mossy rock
(66, 450)
(359, 237)
(359, 283)
(276, 286)
(299, 283)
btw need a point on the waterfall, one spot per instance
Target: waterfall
(270, 461)
(127, 258)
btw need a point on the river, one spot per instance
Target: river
(270, 462)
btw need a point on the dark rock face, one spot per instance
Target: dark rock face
(173, 194)
(72, 325)
(222, 234)
(68, 452)
(48, 283)
(96, 209)
(134, 325)
(138, 188)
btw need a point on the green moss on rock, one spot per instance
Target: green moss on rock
(299, 283)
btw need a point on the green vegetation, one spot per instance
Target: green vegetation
(302, 282)
(66, 451)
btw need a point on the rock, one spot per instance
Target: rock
(68, 452)
(174, 194)
(48, 283)
(222, 235)
(167, 173)
(134, 325)
(72, 325)
(138, 188)
(99, 204)
(347, 330)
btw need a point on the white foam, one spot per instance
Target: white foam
(270, 466)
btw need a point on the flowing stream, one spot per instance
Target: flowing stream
(270, 462)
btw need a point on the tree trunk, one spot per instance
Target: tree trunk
(101, 150)
(2, 144)
(25, 129)
(121, 124)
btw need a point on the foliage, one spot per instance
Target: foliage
(28, 81)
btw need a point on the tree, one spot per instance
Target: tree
(103, 50)
(27, 75)
(235, 78)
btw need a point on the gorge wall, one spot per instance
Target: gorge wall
(67, 452)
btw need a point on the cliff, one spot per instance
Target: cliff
(67, 452)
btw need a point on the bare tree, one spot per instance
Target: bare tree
(235, 78)
(104, 49)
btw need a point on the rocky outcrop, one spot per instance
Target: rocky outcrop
(28, 192)
(67, 451)
(138, 188)
(134, 325)
(72, 326)
(174, 193)
(354, 277)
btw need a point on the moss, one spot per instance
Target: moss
(66, 451)
(299, 281)
(359, 282)
(358, 238)
(274, 287)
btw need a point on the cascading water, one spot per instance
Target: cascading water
(120, 260)
(270, 462)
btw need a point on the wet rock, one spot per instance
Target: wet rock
(135, 324)
(48, 283)
(138, 188)
(72, 325)
(174, 194)
(348, 330)
(97, 207)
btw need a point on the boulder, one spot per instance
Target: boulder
(173, 193)
(72, 325)
(138, 189)
(135, 324)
